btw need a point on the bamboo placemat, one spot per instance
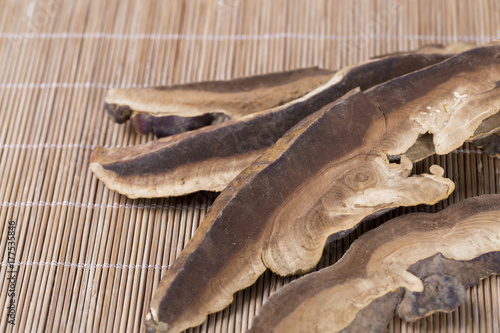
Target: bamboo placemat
(88, 259)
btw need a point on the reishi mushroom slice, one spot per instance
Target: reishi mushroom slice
(485, 136)
(412, 265)
(170, 110)
(210, 157)
(240, 235)
(323, 177)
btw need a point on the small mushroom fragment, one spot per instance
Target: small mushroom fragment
(209, 158)
(175, 109)
(423, 147)
(490, 144)
(323, 177)
(413, 265)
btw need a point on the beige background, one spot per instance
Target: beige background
(88, 258)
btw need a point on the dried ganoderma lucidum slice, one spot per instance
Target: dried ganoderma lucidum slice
(413, 265)
(179, 108)
(279, 212)
(210, 157)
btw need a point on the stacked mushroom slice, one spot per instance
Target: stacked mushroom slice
(339, 165)
(175, 109)
(325, 175)
(210, 157)
(411, 266)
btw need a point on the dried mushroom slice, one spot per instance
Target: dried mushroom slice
(280, 211)
(413, 265)
(489, 126)
(209, 158)
(175, 109)
(449, 48)
(446, 49)
(169, 110)
(484, 136)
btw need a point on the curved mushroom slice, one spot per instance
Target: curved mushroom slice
(483, 137)
(489, 126)
(225, 254)
(175, 109)
(449, 48)
(170, 110)
(209, 158)
(307, 176)
(414, 265)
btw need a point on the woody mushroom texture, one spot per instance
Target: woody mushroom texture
(343, 162)
(175, 109)
(210, 157)
(411, 266)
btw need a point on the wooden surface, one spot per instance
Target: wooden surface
(88, 259)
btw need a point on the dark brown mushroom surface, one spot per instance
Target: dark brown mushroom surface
(413, 265)
(169, 110)
(209, 158)
(322, 178)
(175, 109)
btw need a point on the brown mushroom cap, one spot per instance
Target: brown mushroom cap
(175, 109)
(257, 218)
(209, 158)
(415, 264)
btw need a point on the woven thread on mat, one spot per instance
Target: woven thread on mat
(84, 146)
(82, 265)
(52, 85)
(280, 35)
(92, 205)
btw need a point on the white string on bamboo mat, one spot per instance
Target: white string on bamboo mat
(83, 265)
(238, 37)
(92, 205)
(54, 85)
(86, 146)
(54, 145)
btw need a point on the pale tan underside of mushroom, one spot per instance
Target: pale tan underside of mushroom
(369, 183)
(212, 175)
(334, 309)
(425, 147)
(186, 102)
